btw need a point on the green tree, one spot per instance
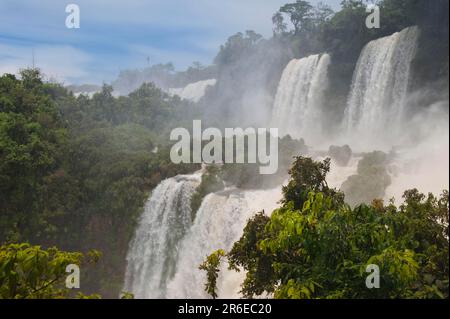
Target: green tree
(280, 26)
(322, 248)
(32, 136)
(322, 12)
(308, 176)
(237, 46)
(30, 272)
(76, 171)
(211, 266)
(300, 14)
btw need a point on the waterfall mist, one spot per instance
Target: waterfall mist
(380, 114)
(168, 247)
(297, 109)
(193, 91)
(153, 252)
(423, 161)
(380, 82)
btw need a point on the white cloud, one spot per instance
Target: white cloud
(62, 63)
(116, 35)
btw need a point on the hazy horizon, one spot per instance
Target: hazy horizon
(118, 36)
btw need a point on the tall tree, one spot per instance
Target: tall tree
(322, 12)
(300, 14)
(279, 26)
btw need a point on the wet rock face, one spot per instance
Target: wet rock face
(340, 154)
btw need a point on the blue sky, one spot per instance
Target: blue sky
(116, 35)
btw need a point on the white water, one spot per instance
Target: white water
(219, 223)
(154, 249)
(376, 104)
(298, 102)
(193, 91)
(423, 162)
(377, 117)
(164, 256)
(339, 174)
(168, 247)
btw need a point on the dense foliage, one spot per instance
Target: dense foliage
(316, 246)
(76, 171)
(211, 266)
(30, 272)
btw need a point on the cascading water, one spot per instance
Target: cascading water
(168, 247)
(339, 174)
(154, 249)
(298, 103)
(219, 223)
(380, 82)
(193, 91)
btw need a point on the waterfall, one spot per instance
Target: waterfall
(168, 247)
(339, 174)
(298, 102)
(193, 91)
(154, 249)
(219, 223)
(378, 94)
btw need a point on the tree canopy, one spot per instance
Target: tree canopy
(30, 272)
(316, 246)
(76, 171)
